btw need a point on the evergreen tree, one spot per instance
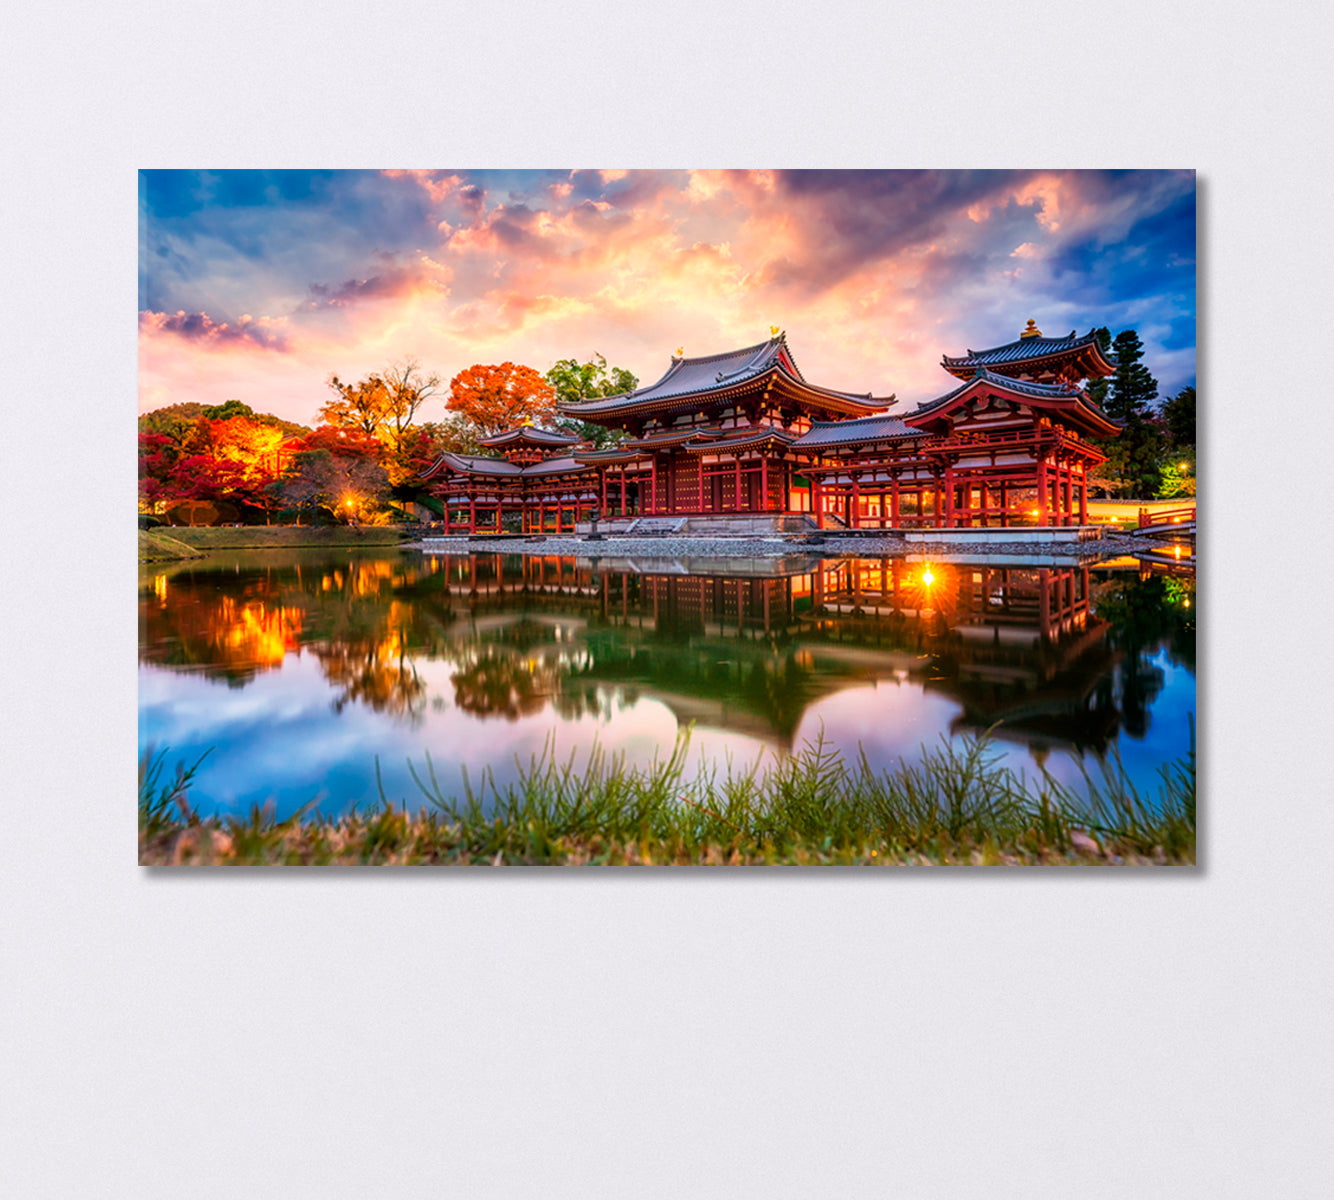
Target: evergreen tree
(1097, 388)
(1179, 413)
(1133, 390)
(1133, 456)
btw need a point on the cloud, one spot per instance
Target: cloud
(873, 274)
(265, 333)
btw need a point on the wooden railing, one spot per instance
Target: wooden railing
(1167, 516)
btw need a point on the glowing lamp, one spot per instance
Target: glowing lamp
(927, 578)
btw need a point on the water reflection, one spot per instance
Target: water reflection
(1059, 655)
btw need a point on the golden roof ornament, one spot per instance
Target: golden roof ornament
(1031, 330)
(680, 352)
(773, 331)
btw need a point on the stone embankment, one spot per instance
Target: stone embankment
(871, 545)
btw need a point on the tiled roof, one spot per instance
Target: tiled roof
(474, 464)
(1039, 391)
(712, 373)
(1070, 397)
(553, 466)
(847, 433)
(738, 439)
(1024, 350)
(530, 433)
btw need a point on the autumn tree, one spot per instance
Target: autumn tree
(158, 454)
(350, 485)
(383, 404)
(497, 397)
(574, 381)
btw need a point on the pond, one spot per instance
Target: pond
(303, 673)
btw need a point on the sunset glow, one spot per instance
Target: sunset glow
(260, 285)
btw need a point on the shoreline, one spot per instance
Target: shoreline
(877, 545)
(163, 547)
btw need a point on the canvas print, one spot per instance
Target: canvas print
(667, 517)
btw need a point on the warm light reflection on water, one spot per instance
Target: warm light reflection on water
(301, 667)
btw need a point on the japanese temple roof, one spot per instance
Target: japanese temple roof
(1084, 354)
(690, 377)
(529, 433)
(848, 433)
(474, 464)
(609, 454)
(737, 439)
(553, 466)
(1064, 397)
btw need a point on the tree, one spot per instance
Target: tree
(574, 381)
(1133, 390)
(1179, 413)
(1175, 479)
(1097, 388)
(226, 410)
(359, 406)
(1135, 454)
(384, 403)
(498, 397)
(347, 485)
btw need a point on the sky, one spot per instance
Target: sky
(260, 285)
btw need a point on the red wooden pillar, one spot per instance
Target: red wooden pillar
(1069, 496)
(653, 485)
(1084, 493)
(764, 484)
(602, 476)
(738, 484)
(1042, 492)
(817, 501)
(894, 504)
(856, 521)
(949, 497)
(472, 512)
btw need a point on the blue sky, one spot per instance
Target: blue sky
(259, 285)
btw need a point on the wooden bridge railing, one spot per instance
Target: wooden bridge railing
(1168, 516)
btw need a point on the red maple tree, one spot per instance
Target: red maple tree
(498, 397)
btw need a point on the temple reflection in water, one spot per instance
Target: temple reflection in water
(1017, 647)
(327, 659)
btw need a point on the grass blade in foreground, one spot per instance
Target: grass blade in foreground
(955, 805)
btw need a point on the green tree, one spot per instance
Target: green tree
(1135, 454)
(1179, 413)
(1133, 390)
(1097, 388)
(227, 410)
(574, 381)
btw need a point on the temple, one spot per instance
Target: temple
(744, 435)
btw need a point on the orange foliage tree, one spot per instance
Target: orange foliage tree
(497, 397)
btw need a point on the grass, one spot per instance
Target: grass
(159, 547)
(224, 537)
(956, 805)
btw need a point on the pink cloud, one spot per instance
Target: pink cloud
(265, 333)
